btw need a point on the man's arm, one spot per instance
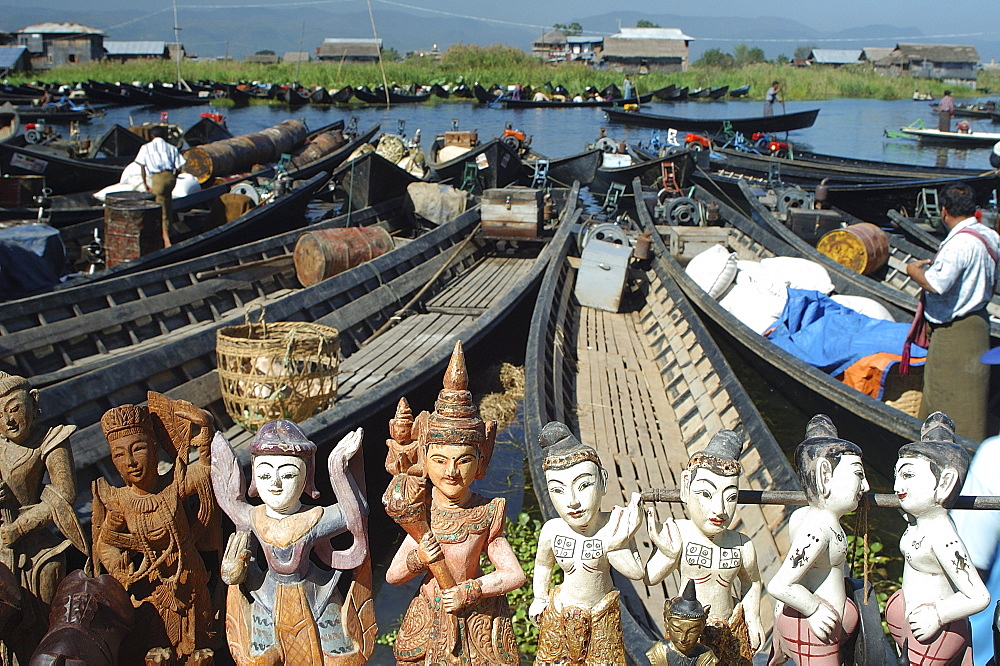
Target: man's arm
(917, 270)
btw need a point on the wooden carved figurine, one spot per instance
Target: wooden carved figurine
(941, 588)
(685, 618)
(284, 605)
(580, 620)
(29, 510)
(719, 560)
(815, 617)
(459, 615)
(148, 534)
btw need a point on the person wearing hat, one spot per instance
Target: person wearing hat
(704, 549)
(957, 285)
(684, 618)
(814, 618)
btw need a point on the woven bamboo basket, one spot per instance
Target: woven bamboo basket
(277, 370)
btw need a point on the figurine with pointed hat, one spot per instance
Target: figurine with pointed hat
(580, 620)
(460, 614)
(928, 616)
(815, 618)
(685, 618)
(703, 549)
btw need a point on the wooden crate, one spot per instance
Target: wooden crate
(512, 212)
(461, 138)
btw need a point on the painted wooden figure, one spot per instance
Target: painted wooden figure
(719, 560)
(928, 617)
(282, 607)
(815, 618)
(685, 618)
(460, 614)
(580, 620)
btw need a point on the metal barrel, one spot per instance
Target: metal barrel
(131, 229)
(17, 191)
(864, 247)
(322, 144)
(286, 136)
(127, 195)
(324, 253)
(241, 153)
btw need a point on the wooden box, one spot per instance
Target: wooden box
(512, 212)
(461, 138)
(811, 225)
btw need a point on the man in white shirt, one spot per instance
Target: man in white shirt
(958, 283)
(161, 162)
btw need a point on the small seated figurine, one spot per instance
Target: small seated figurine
(941, 587)
(283, 608)
(815, 617)
(580, 620)
(685, 618)
(460, 615)
(706, 551)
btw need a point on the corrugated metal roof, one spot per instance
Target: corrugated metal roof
(59, 28)
(115, 48)
(873, 53)
(939, 52)
(835, 56)
(652, 33)
(9, 55)
(585, 39)
(351, 40)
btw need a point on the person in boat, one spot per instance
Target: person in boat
(957, 285)
(814, 617)
(578, 98)
(684, 618)
(704, 550)
(946, 109)
(772, 97)
(928, 616)
(160, 162)
(586, 543)
(627, 88)
(540, 96)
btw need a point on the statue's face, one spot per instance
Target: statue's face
(452, 468)
(576, 493)
(711, 500)
(915, 485)
(280, 481)
(135, 457)
(18, 416)
(684, 632)
(847, 484)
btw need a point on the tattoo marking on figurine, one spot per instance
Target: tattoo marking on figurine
(592, 549)
(729, 558)
(698, 555)
(961, 564)
(799, 557)
(840, 535)
(563, 546)
(918, 543)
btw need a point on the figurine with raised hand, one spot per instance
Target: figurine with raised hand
(815, 618)
(580, 620)
(685, 618)
(283, 607)
(719, 560)
(928, 617)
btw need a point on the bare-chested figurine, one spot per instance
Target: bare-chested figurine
(815, 617)
(580, 621)
(719, 560)
(941, 587)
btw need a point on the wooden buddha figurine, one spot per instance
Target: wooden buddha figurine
(941, 587)
(580, 620)
(283, 607)
(685, 618)
(719, 560)
(815, 617)
(460, 614)
(37, 520)
(148, 534)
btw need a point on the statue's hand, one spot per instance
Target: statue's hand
(429, 549)
(536, 609)
(754, 628)
(236, 558)
(666, 538)
(345, 449)
(4, 491)
(622, 524)
(464, 595)
(822, 622)
(925, 622)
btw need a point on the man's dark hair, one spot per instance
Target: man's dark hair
(947, 92)
(959, 199)
(774, 83)
(158, 132)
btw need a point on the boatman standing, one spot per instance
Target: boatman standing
(957, 284)
(946, 109)
(773, 95)
(161, 162)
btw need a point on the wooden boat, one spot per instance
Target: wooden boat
(563, 171)
(955, 139)
(438, 91)
(294, 98)
(168, 98)
(117, 142)
(649, 172)
(380, 96)
(370, 179)
(482, 95)
(742, 91)
(463, 91)
(55, 115)
(107, 93)
(501, 165)
(63, 174)
(718, 92)
(981, 111)
(320, 96)
(778, 123)
(206, 130)
(9, 122)
(699, 93)
(472, 285)
(915, 231)
(666, 93)
(568, 104)
(342, 96)
(647, 388)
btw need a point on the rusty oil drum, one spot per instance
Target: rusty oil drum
(131, 229)
(239, 154)
(324, 253)
(322, 144)
(126, 195)
(863, 247)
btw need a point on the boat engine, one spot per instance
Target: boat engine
(678, 211)
(793, 197)
(93, 254)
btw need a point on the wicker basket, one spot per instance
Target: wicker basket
(277, 370)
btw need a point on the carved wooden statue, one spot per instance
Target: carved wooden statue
(580, 620)
(815, 618)
(37, 521)
(148, 533)
(941, 587)
(719, 560)
(460, 615)
(282, 607)
(685, 618)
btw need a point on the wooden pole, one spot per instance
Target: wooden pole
(798, 498)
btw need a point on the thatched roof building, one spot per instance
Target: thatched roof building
(349, 49)
(649, 49)
(952, 62)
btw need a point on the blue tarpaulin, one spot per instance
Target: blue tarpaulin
(32, 258)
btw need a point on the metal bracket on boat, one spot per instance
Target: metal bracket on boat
(541, 175)
(470, 178)
(351, 130)
(774, 175)
(615, 192)
(93, 253)
(928, 207)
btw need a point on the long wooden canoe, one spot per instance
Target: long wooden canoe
(497, 165)
(369, 179)
(778, 123)
(568, 104)
(564, 171)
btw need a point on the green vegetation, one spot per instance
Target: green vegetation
(643, 23)
(569, 30)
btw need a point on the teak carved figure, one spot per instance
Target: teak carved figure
(719, 560)
(941, 587)
(815, 617)
(580, 620)
(685, 618)
(460, 614)
(284, 608)
(148, 534)
(30, 548)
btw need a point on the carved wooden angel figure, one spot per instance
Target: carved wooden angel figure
(460, 614)
(685, 618)
(148, 534)
(941, 588)
(29, 510)
(580, 620)
(283, 607)
(815, 618)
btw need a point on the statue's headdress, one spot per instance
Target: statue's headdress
(686, 605)
(285, 438)
(562, 448)
(126, 420)
(937, 445)
(722, 455)
(10, 383)
(822, 441)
